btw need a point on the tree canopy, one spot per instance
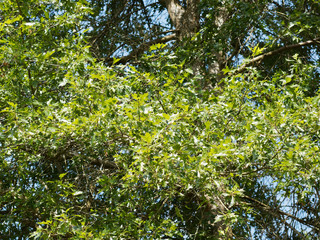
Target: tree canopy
(169, 119)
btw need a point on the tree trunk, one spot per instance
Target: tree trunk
(186, 21)
(217, 66)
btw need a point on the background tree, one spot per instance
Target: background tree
(159, 119)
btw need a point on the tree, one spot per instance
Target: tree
(159, 119)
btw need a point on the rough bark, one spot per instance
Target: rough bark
(184, 19)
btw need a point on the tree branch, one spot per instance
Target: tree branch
(277, 51)
(104, 163)
(277, 212)
(143, 47)
(109, 22)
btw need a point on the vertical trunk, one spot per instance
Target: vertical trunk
(186, 21)
(217, 66)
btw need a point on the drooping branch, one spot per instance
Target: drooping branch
(277, 51)
(143, 47)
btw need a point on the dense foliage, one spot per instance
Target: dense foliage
(159, 119)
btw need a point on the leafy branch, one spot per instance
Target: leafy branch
(259, 58)
(143, 47)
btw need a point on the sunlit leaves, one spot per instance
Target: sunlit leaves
(142, 151)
